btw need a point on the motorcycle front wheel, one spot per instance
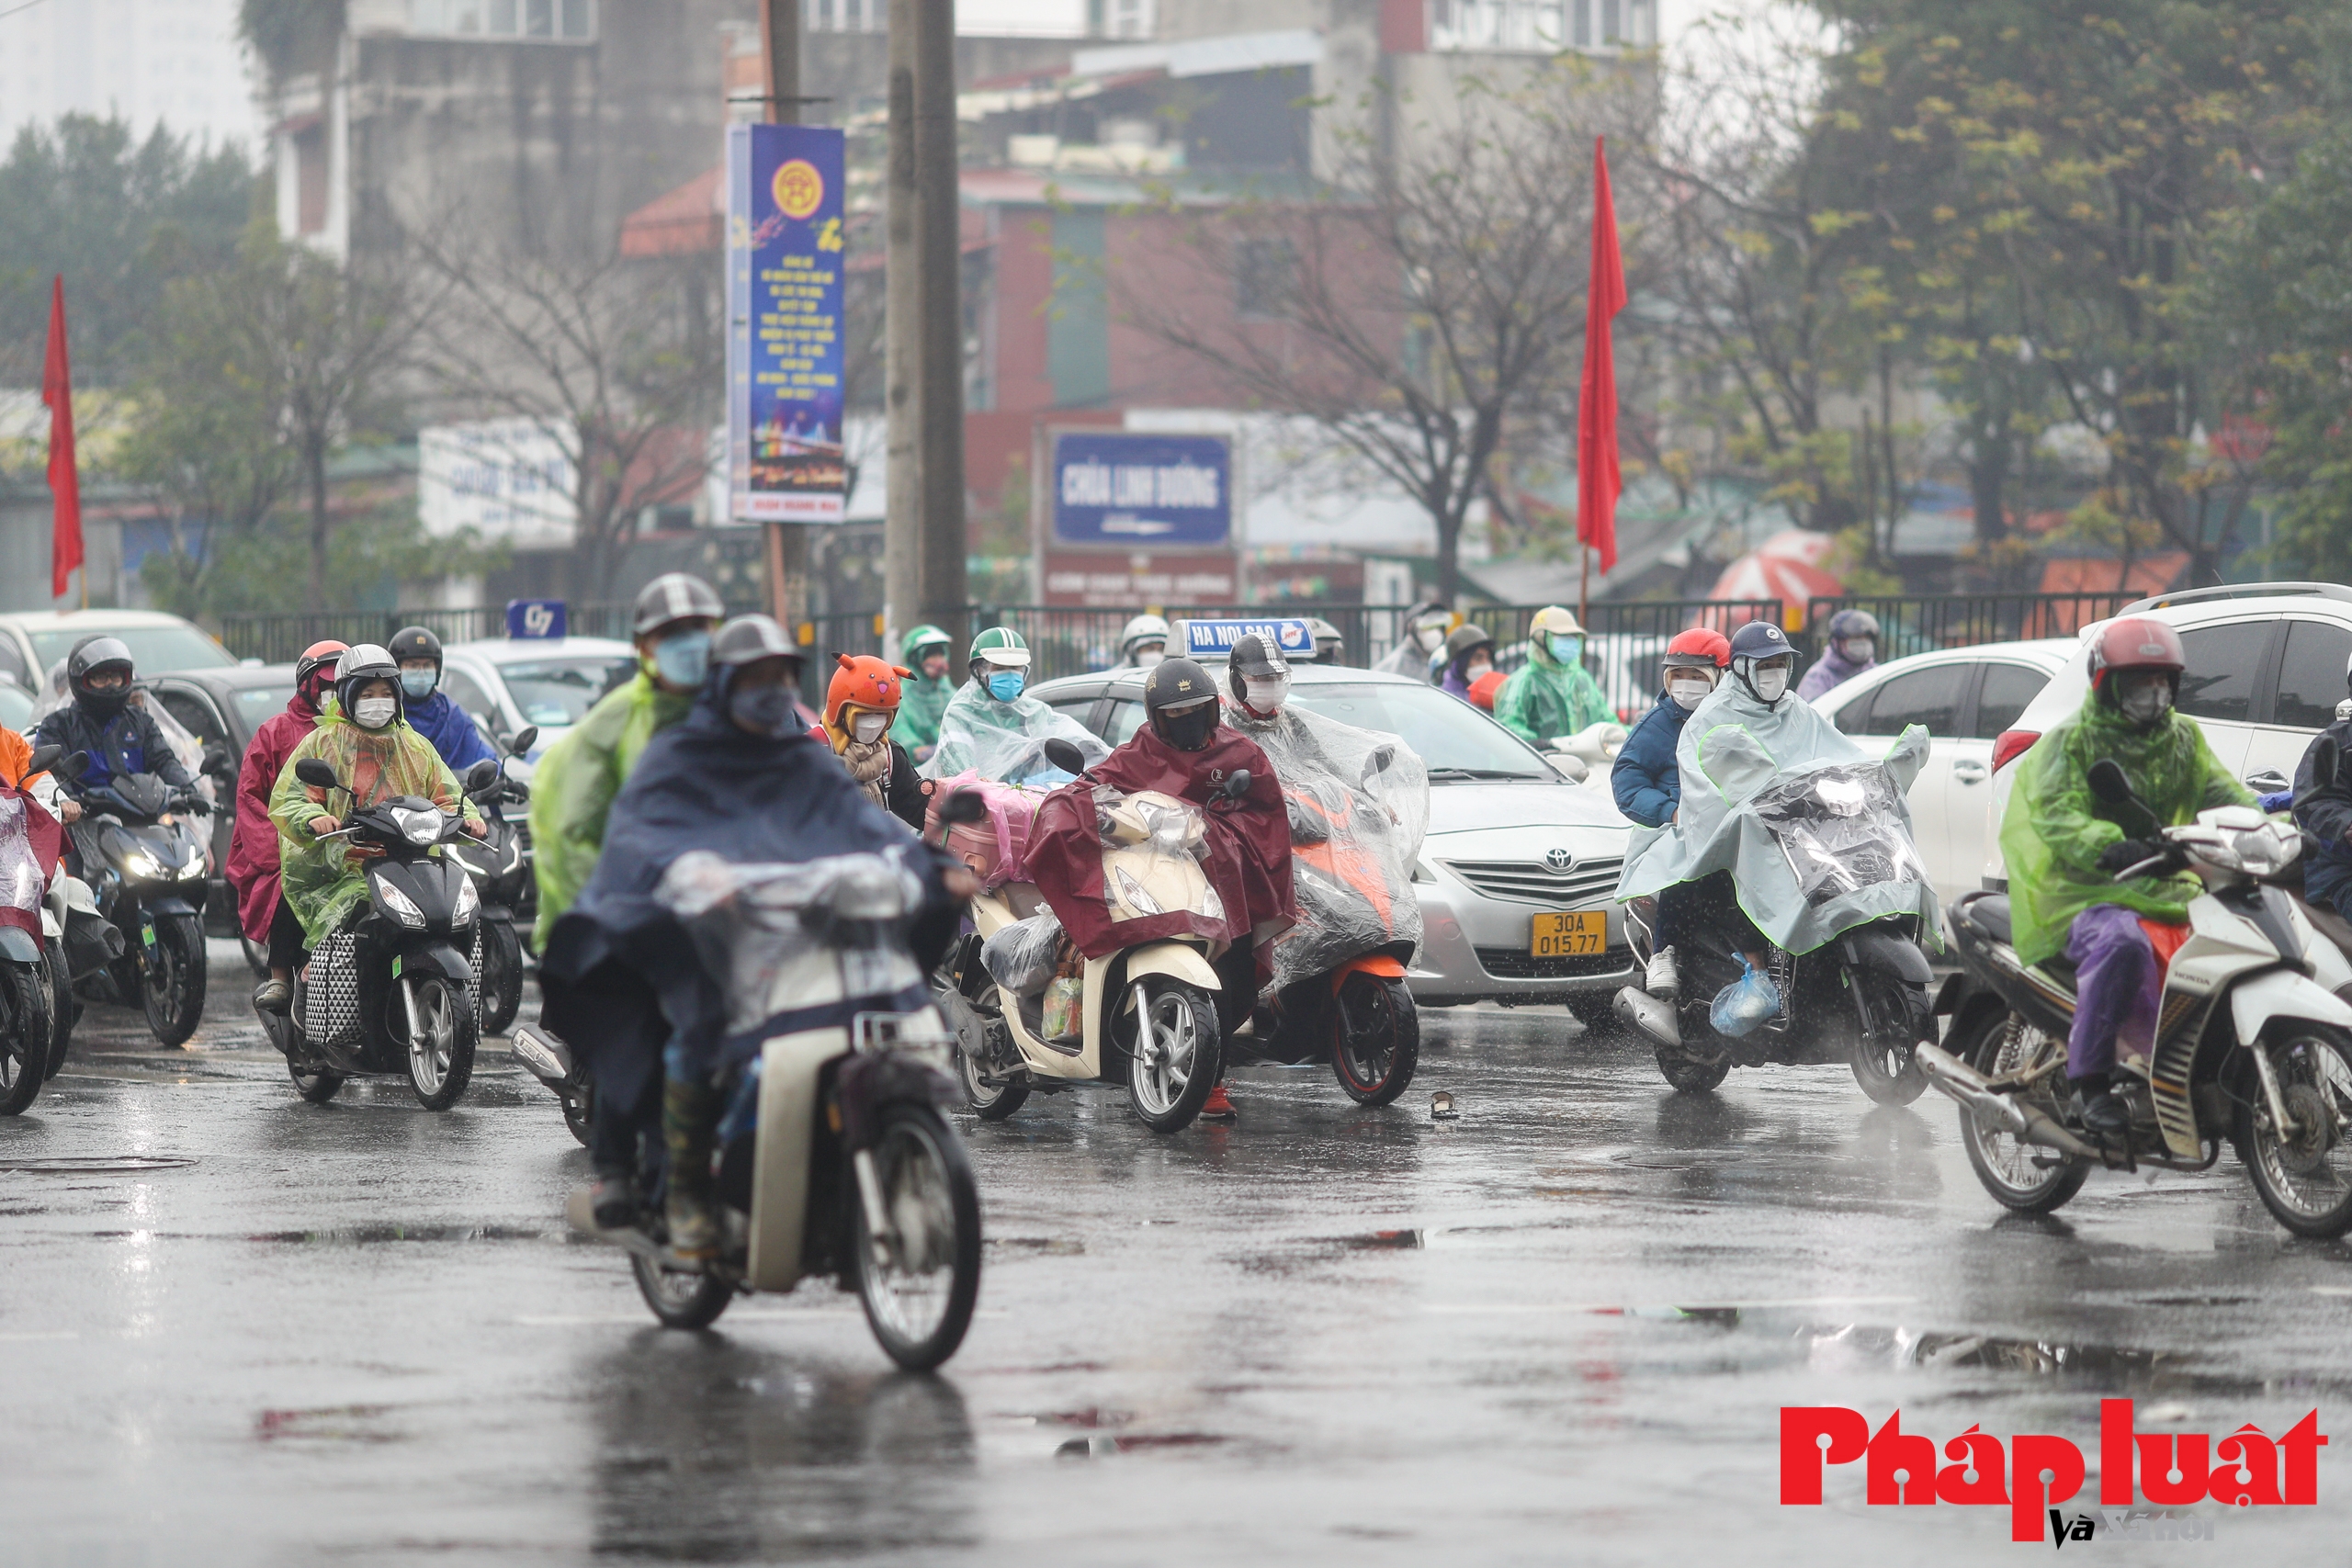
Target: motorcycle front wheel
(501, 976)
(441, 1056)
(173, 984)
(2020, 1175)
(256, 955)
(1888, 1069)
(25, 1042)
(990, 1101)
(919, 1280)
(2305, 1178)
(681, 1298)
(1172, 1062)
(580, 1111)
(60, 1012)
(1376, 1038)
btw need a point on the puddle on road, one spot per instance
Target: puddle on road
(96, 1165)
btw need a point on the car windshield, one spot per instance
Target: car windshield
(256, 704)
(1453, 739)
(553, 693)
(15, 707)
(154, 650)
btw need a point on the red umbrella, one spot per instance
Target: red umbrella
(1786, 567)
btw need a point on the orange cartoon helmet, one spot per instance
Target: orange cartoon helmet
(863, 682)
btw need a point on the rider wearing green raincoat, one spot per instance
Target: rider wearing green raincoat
(992, 726)
(927, 652)
(1552, 695)
(575, 782)
(376, 756)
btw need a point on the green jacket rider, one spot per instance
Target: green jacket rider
(1552, 695)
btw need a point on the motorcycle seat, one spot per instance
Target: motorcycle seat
(1988, 913)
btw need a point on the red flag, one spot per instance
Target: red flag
(65, 484)
(1597, 481)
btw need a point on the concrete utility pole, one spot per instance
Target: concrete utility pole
(939, 241)
(902, 535)
(787, 543)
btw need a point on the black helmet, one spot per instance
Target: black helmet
(367, 661)
(91, 655)
(1760, 640)
(674, 596)
(1253, 658)
(1180, 701)
(416, 642)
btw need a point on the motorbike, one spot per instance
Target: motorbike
(149, 868)
(27, 1029)
(1145, 1016)
(390, 993)
(1861, 997)
(500, 865)
(832, 1157)
(2253, 1044)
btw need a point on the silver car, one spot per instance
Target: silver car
(547, 683)
(1516, 871)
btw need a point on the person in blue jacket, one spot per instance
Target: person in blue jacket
(1648, 785)
(429, 710)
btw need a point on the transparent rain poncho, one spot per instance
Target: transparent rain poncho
(1359, 803)
(22, 884)
(1005, 741)
(1814, 832)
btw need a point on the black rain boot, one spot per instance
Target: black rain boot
(2101, 1109)
(690, 1128)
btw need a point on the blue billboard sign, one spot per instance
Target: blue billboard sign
(1214, 639)
(784, 252)
(535, 617)
(1142, 492)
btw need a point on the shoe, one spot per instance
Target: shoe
(689, 1126)
(272, 996)
(1219, 1107)
(1662, 979)
(693, 1229)
(2103, 1113)
(612, 1203)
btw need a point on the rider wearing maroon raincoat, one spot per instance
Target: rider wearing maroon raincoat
(253, 843)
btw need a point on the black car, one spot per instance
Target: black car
(223, 708)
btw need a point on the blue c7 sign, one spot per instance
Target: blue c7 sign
(785, 251)
(1142, 492)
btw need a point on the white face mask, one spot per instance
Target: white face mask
(373, 712)
(1770, 682)
(1858, 649)
(1690, 692)
(867, 728)
(1148, 657)
(1266, 696)
(1432, 638)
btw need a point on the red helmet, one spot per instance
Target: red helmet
(864, 681)
(1700, 645)
(2135, 642)
(317, 656)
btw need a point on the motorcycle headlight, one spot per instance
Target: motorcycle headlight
(2264, 850)
(466, 900)
(420, 827)
(400, 905)
(195, 870)
(1132, 894)
(140, 863)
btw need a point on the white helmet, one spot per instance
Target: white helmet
(1143, 629)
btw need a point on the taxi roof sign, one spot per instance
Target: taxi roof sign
(1214, 639)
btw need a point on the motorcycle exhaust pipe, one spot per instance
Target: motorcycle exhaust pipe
(1971, 1087)
(1646, 1013)
(548, 1058)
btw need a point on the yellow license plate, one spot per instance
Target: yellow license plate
(1580, 934)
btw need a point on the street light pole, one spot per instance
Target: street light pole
(902, 535)
(939, 242)
(787, 543)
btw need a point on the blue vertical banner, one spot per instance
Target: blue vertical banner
(785, 246)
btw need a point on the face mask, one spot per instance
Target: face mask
(1005, 684)
(1266, 696)
(1857, 650)
(419, 683)
(867, 728)
(1771, 682)
(2146, 705)
(767, 710)
(1477, 668)
(683, 660)
(935, 666)
(1432, 638)
(1689, 694)
(1568, 650)
(374, 713)
(105, 704)
(1148, 657)
(1190, 730)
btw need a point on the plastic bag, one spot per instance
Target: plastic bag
(1744, 1004)
(1021, 957)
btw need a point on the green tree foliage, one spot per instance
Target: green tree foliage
(121, 218)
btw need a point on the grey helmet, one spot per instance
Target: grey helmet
(674, 596)
(364, 662)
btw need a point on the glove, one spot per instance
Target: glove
(2129, 851)
(1306, 827)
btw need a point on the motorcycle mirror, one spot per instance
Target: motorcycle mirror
(2109, 782)
(525, 738)
(42, 760)
(215, 760)
(73, 765)
(1237, 784)
(317, 772)
(964, 806)
(481, 774)
(1062, 755)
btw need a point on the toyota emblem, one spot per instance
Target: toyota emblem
(1558, 861)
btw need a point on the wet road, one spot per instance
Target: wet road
(236, 1328)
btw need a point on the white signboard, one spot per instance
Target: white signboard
(510, 481)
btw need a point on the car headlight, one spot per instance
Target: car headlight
(420, 827)
(401, 904)
(467, 902)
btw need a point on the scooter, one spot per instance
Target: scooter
(26, 1031)
(1145, 1016)
(501, 867)
(2253, 1044)
(148, 869)
(831, 1157)
(390, 993)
